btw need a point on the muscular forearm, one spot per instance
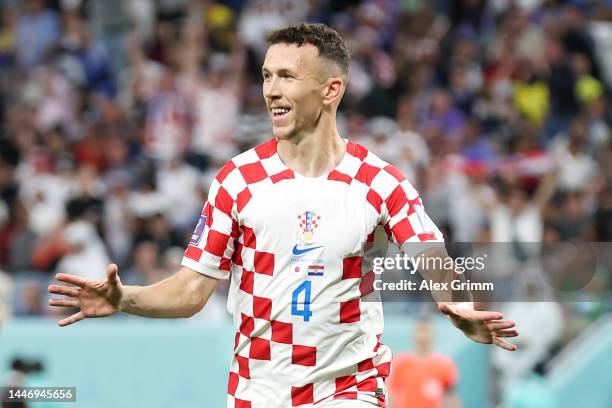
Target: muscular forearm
(181, 295)
(441, 278)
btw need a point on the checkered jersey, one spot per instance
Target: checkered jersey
(296, 249)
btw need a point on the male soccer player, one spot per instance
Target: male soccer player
(289, 222)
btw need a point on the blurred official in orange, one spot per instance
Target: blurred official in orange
(422, 378)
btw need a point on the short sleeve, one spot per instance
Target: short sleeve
(211, 246)
(405, 219)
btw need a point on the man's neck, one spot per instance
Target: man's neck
(313, 154)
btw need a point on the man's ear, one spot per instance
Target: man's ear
(333, 90)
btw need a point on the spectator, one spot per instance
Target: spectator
(423, 378)
(84, 252)
(37, 32)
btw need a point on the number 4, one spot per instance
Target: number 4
(305, 310)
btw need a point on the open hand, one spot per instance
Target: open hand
(95, 298)
(481, 326)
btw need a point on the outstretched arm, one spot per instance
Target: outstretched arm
(180, 295)
(481, 326)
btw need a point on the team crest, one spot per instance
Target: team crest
(309, 221)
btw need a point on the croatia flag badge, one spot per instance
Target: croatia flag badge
(316, 270)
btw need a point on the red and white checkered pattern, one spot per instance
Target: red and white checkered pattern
(254, 223)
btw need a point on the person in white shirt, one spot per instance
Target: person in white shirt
(293, 221)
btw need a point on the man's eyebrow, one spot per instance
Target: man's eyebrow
(281, 71)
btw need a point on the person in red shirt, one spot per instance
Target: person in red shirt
(423, 378)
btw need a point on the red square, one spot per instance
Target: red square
(283, 175)
(248, 237)
(236, 339)
(266, 149)
(243, 367)
(412, 204)
(237, 256)
(302, 395)
(225, 171)
(260, 349)
(216, 243)
(247, 326)
(223, 201)
(365, 365)
(427, 236)
(349, 311)
(368, 385)
(392, 170)
(357, 150)
(193, 253)
(243, 198)
(383, 369)
(238, 403)
(247, 281)
(232, 383)
(253, 172)
(344, 383)
(366, 286)
(264, 263)
(337, 176)
(374, 198)
(366, 173)
(351, 267)
(402, 231)
(262, 307)
(304, 355)
(282, 332)
(225, 264)
(396, 200)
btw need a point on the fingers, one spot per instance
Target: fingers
(506, 333)
(64, 290)
(72, 319)
(73, 279)
(483, 316)
(64, 302)
(469, 314)
(504, 344)
(111, 272)
(494, 326)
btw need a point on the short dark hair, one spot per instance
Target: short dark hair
(328, 41)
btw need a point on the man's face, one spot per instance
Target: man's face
(293, 88)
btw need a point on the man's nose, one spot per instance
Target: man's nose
(271, 89)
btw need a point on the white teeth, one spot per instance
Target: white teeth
(280, 110)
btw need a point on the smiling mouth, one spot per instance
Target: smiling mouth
(279, 113)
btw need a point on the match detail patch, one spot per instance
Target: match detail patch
(196, 237)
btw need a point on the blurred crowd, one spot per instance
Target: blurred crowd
(116, 114)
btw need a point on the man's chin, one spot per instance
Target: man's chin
(282, 133)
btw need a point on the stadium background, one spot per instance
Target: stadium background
(115, 115)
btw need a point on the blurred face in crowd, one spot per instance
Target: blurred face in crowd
(34, 6)
(295, 87)
(423, 336)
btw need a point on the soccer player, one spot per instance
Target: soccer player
(291, 222)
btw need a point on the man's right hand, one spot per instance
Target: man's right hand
(94, 298)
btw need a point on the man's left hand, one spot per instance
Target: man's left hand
(481, 326)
